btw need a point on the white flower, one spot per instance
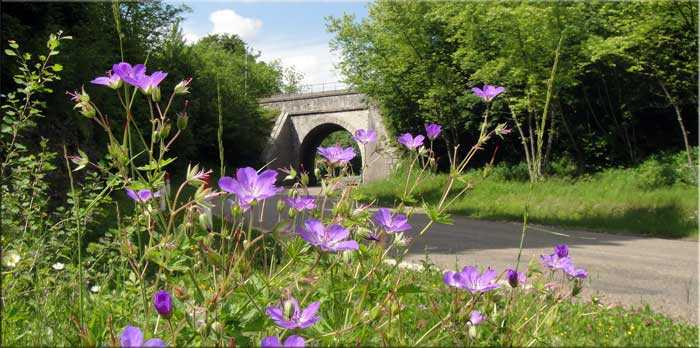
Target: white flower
(95, 288)
(58, 266)
(11, 260)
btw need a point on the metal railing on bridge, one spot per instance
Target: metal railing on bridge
(318, 88)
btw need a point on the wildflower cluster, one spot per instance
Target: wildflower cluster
(237, 275)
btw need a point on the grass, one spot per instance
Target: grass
(612, 201)
(577, 323)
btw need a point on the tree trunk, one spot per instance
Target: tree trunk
(692, 168)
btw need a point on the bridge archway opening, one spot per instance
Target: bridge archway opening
(326, 135)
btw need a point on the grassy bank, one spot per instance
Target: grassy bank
(615, 200)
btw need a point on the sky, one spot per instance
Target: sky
(293, 32)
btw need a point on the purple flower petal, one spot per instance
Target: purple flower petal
(294, 341)
(475, 318)
(307, 317)
(383, 219)
(311, 233)
(228, 184)
(337, 233)
(433, 130)
(449, 279)
(101, 81)
(155, 343)
(132, 194)
(271, 342)
(410, 142)
(347, 245)
(365, 136)
(163, 303)
(132, 337)
(562, 250)
(336, 154)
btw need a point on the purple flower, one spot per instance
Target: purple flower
(470, 278)
(249, 186)
(575, 273)
(433, 130)
(141, 195)
(555, 262)
(147, 84)
(330, 238)
(297, 319)
(112, 81)
(475, 318)
(562, 250)
(292, 341)
(383, 219)
(489, 92)
(514, 278)
(128, 74)
(163, 304)
(336, 154)
(301, 203)
(365, 136)
(410, 142)
(132, 337)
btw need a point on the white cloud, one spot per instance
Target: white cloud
(313, 59)
(230, 22)
(190, 38)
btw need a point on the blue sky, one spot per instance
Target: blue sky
(292, 32)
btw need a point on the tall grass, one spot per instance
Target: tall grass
(615, 200)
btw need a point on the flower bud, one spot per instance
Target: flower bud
(317, 172)
(87, 110)
(217, 329)
(472, 332)
(305, 179)
(280, 206)
(292, 174)
(512, 277)
(203, 329)
(182, 119)
(401, 241)
(288, 309)
(155, 93)
(183, 87)
(236, 210)
(363, 232)
(348, 256)
(204, 222)
(164, 131)
(163, 304)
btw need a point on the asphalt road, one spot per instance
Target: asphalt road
(624, 270)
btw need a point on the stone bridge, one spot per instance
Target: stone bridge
(306, 119)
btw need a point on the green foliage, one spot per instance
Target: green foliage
(33, 227)
(226, 61)
(419, 60)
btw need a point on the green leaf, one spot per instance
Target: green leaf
(153, 165)
(10, 52)
(434, 215)
(57, 67)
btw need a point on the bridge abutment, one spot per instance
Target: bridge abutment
(305, 120)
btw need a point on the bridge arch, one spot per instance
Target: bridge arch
(305, 120)
(314, 138)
